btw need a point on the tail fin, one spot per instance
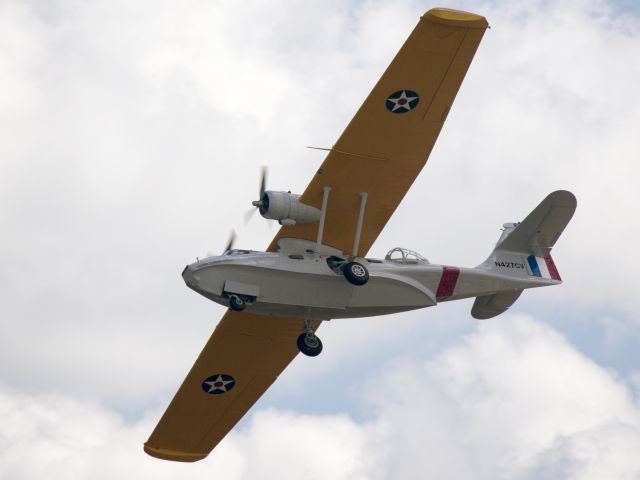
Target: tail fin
(538, 233)
(524, 250)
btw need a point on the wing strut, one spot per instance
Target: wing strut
(323, 214)
(356, 241)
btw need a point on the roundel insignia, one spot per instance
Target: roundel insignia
(402, 101)
(218, 383)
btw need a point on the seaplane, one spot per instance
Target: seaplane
(316, 268)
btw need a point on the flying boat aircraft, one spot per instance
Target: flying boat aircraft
(316, 268)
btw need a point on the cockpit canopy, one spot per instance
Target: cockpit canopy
(237, 251)
(404, 255)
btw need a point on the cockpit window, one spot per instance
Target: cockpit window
(404, 255)
(395, 254)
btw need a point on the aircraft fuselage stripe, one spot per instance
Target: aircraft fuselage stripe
(448, 282)
(551, 266)
(533, 264)
(543, 267)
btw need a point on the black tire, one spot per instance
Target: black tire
(309, 344)
(355, 273)
(236, 303)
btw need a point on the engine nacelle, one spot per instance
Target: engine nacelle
(287, 209)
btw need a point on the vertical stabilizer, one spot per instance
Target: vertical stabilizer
(524, 251)
(538, 233)
(524, 248)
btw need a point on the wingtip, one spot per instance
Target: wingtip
(564, 198)
(458, 18)
(174, 455)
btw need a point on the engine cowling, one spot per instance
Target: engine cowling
(287, 209)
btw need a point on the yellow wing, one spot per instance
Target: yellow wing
(385, 146)
(381, 152)
(243, 357)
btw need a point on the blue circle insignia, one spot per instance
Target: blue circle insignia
(218, 383)
(402, 101)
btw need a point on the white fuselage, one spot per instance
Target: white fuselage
(304, 286)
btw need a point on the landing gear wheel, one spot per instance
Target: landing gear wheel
(309, 344)
(355, 273)
(236, 303)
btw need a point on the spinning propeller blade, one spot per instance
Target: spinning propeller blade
(263, 186)
(263, 182)
(249, 214)
(232, 239)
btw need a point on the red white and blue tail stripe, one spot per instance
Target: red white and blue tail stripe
(543, 267)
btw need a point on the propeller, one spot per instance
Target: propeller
(230, 242)
(258, 204)
(232, 239)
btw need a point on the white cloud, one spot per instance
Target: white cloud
(501, 399)
(133, 136)
(55, 436)
(604, 452)
(512, 400)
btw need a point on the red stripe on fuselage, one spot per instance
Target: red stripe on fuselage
(553, 271)
(447, 282)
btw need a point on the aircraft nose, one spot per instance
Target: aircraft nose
(188, 277)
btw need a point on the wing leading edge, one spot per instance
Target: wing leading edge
(381, 152)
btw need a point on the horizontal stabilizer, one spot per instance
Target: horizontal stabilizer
(489, 306)
(537, 233)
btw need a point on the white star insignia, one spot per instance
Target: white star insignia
(402, 101)
(218, 384)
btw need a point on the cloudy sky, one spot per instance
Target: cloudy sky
(132, 139)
